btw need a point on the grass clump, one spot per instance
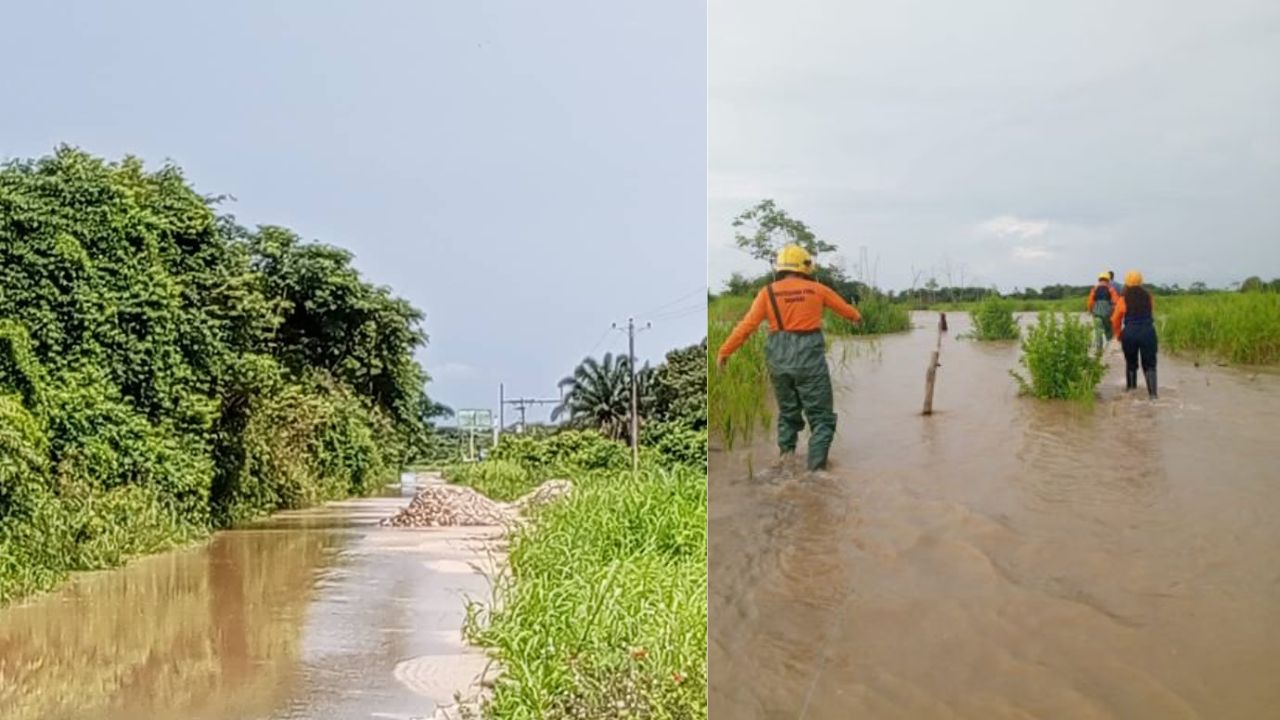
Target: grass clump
(1056, 353)
(1233, 327)
(603, 611)
(737, 400)
(879, 316)
(993, 320)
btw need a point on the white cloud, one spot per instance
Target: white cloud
(1011, 226)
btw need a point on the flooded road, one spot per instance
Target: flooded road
(312, 614)
(1007, 557)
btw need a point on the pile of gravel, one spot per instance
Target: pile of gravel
(543, 494)
(440, 505)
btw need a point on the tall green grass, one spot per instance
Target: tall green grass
(1056, 353)
(501, 480)
(1233, 327)
(993, 320)
(603, 612)
(737, 396)
(879, 316)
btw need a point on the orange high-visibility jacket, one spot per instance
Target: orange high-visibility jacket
(1115, 296)
(1117, 315)
(800, 301)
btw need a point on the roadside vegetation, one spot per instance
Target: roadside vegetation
(165, 371)
(602, 610)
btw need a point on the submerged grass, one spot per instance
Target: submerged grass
(1233, 327)
(1056, 353)
(993, 320)
(603, 611)
(737, 396)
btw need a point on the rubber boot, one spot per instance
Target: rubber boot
(1151, 383)
(1130, 379)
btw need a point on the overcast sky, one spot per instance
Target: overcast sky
(525, 173)
(1025, 143)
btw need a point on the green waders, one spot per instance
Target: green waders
(802, 386)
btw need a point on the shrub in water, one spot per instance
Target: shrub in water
(1056, 353)
(993, 320)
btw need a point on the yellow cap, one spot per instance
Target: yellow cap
(1104, 275)
(1133, 277)
(794, 258)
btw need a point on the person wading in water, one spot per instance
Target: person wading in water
(1102, 301)
(795, 351)
(1133, 321)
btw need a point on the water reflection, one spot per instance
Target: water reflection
(208, 632)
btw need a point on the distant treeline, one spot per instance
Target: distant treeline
(931, 292)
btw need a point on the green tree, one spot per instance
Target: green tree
(680, 387)
(1252, 283)
(180, 371)
(764, 228)
(598, 396)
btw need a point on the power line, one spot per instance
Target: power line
(681, 312)
(672, 302)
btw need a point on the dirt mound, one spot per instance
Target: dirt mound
(446, 505)
(441, 505)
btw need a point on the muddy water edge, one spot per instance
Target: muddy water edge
(1006, 557)
(311, 614)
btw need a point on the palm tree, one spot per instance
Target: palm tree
(598, 395)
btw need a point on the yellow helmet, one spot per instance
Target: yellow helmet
(1132, 278)
(1104, 275)
(793, 258)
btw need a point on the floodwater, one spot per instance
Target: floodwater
(1006, 557)
(312, 614)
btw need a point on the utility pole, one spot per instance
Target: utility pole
(523, 404)
(635, 416)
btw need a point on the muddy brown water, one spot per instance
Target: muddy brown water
(310, 614)
(1007, 557)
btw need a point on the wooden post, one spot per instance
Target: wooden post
(932, 373)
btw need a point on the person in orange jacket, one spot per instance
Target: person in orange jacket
(795, 351)
(1101, 302)
(1133, 321)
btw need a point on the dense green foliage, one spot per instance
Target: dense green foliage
(1056, 353)
(603, 612)
(993, 320)
(1235, 327)
(165, 371)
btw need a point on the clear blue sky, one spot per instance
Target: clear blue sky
(525, 173)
